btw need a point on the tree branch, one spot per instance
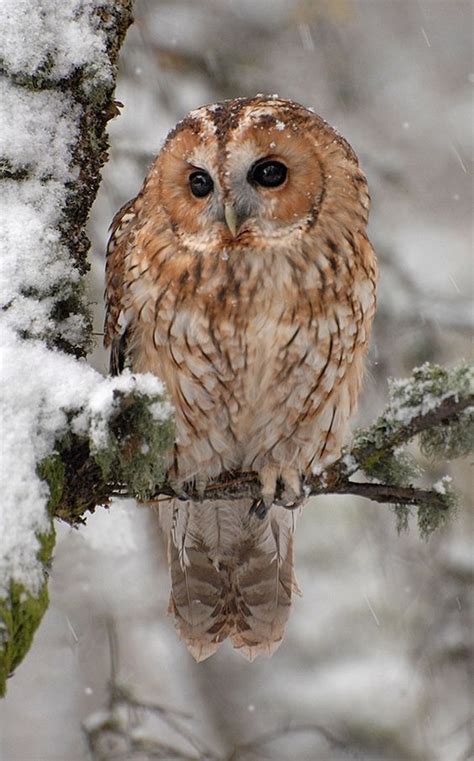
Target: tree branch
(435, 405)
(336, 478)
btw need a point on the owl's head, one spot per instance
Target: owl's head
(244, 170)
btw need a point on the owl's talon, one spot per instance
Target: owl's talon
(268, 478)
(259, 509)
(178, 487)
(182, 495)
(292, 504)
(292, 495)
(289, 496)
(268, 499)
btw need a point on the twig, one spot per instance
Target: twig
(448, 410)
(111, 734)
(272, 735)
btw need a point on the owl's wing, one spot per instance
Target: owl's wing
(116, 332)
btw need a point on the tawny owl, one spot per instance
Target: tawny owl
(242, 276)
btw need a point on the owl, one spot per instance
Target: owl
(242, 276)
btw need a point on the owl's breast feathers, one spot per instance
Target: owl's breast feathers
(261, 350)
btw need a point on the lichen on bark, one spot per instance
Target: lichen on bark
(21, 611)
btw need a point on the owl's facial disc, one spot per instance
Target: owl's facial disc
(274, 182)
(234, 199)
(256, 183)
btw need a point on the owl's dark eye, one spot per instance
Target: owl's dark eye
(200, 183)
(268, 173)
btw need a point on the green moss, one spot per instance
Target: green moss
(20, 616)
(146, 470)
(377, 448)
(107, 458)
(40, 79)
(398, 468)
(51, 470)
(137, 449)
(402, 514)
(450, 441)
(20, 611)
(409, 398)
(431, 518)
(380, 449)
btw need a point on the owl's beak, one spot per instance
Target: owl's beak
(230, 218)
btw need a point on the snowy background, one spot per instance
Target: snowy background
(377, 662)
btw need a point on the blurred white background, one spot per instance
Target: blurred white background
(377, 662)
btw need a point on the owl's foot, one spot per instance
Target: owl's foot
(181, 493)
(192, 488)
(291, 497)
(178, 485)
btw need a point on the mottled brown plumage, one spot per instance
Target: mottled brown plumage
(254, 304)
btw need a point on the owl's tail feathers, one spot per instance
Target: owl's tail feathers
(244, 595)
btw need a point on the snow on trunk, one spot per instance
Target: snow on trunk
(58, 72)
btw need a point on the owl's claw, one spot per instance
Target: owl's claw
(287, 499)
(293, 494)
(259, 509)
(182, 494)
(291, 501)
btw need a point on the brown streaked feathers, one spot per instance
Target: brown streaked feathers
(253, 303)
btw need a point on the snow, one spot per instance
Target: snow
(350, 463)
(48, 130)
(55, 37)
(43, 390)
(411, 397)
(33, 262)
(38, 133)
(442, 486)
(29, 238)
